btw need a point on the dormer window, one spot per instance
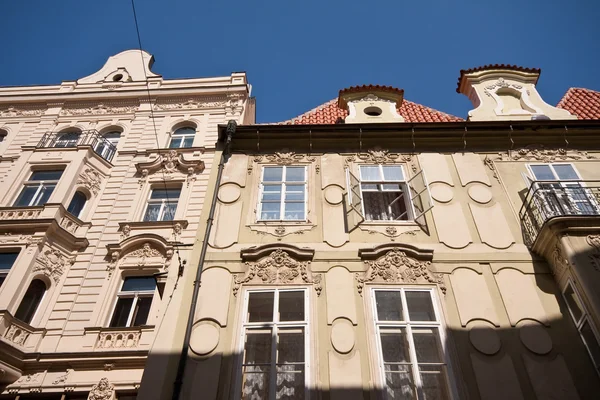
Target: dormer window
(370, 104)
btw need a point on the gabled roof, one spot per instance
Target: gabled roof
(330, 113)
(585, 103)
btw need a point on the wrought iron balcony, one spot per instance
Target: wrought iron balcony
(546, 200)
(103, 147)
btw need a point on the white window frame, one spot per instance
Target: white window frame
(410, 212)
(274, 325)
(135, 295)
(585, 317)
(106, 151)
(40, 185)
(407, 325)
(4, 272)
(283, 191)
(162, 202)
(181, 138)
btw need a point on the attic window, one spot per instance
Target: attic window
(373, 111)
(118, 77)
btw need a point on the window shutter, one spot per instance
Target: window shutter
(354, 214)
(420, 197)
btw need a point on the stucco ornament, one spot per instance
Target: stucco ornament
(396, 267)
(501, 83)
(21, 112)
(143, 253)
(103, 390)
(191, 103)
(538, 152)
(284, 158)
(169, 164)
(278, 268)
(99, 109)
(559, 263)
(91, 179)
(52, 263)
(381, 156)
(594, 241)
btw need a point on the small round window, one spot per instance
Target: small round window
(117, 77)
(373, 111)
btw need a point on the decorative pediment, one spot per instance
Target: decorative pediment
(395, 266)
(170, 163)
(52, 263)
(283, 264)
(381, 156)
(140, 251)
(538, 152)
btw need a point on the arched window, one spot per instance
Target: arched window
(77, 203)
(107, 144)
(3, 134)
(67, 139)
(31, 301)
(182, 137)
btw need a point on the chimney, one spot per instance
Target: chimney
(502, 92)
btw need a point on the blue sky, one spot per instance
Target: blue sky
(299, 54)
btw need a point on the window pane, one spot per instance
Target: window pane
(565, 171)
(184, 131)
(44, 194)
(294, 192)
(434, 382)
(255, 382)
(291, 306)
(26, 196)
(270, 211)
(389, 306)
(165, 194)
(175, 142)
(290, 382)
(46, 175)
(420, 307)
(542, 172)
(121, 313)
(385, 206)
(294, 211)
(391, 187)
(77, 203)
(392, 173)
(31, 301)
(573, 303)
(140, 316)
(139, 284)
(7, 260)
(294, 174)
(257, 349)
(2, 278)
(427, 345)
(394, 345)
(169, 212)
(260, 306)
(370, 173)
(188, 141)
(591, 342)
(290, 346)
(399, 383)
(370, 186)
(271, 192)
(273, 174)
(152, 212)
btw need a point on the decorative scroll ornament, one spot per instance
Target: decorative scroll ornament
(501, 83)
(169, 164)
(396, 267)
(91, 179)
(103, 390)
(540, 153)
(20, 112)
(145, 252)
(488, 162)
(99, 109)
(559, 263)
(594, 241)
(381, 156)
(52, 263)
(285, 158)
(278, 268)
(191, 104)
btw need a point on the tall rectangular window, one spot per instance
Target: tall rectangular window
(583, 323)
(38, 188)
(384, 193)
(162, 204)
(283, 193)
(275, 344)
(133, 302)
(7, 260)
(410, 344)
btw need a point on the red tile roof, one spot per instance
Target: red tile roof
(584, 103)
(329, 113)
(463, 72)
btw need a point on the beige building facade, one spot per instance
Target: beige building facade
(374, 248)
(104, 179)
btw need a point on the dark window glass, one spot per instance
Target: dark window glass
(31, 301)
(121, 313)
(46, 175)
(77, 203)
(140, 316)
(7, 260)
(139, 284)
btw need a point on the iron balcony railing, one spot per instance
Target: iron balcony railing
(103, 147)
(549, 199)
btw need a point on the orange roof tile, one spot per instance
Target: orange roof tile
(330, 113)
(584, 103)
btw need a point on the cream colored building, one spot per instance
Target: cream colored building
(103, 182)
(374, 248)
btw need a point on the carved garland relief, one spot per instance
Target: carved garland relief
(538, 152)
(99, 109)
(52, 264)
(278, 268)
(142, 257)
(380, 156)
(91, 179)
(169, 164)
(396, 267)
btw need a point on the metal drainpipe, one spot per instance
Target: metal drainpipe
(231, 126)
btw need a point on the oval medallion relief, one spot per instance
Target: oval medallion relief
(441, 192)
(204, 339)
(229, 192)
(342, 336)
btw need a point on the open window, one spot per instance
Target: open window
(38, 188)
(134, 301)
(77, 203)
(31, 301)
(384, 193)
